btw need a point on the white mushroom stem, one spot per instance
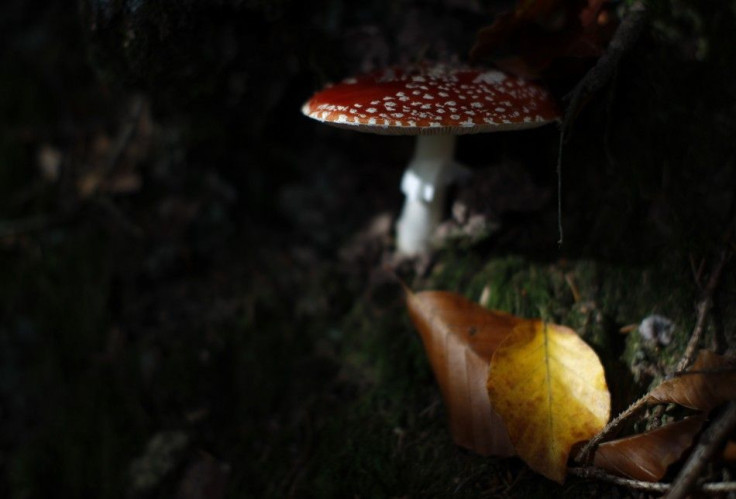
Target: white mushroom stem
(424, 184)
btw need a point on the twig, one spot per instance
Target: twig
(595, 79)
(611, 427)
(703, 308)
(719, 487)
(111, 210)
(697, 270)
(12, 228)
(599, 75)
(598, 474)
(559, 189)
(710, 441)
(125, 134)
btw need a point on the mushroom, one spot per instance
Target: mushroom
(435, 102)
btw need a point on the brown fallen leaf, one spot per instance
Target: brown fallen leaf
(729, 452)
(549, 388)
(648, 455)
(460, 337)
(528, 39)
(709, 382)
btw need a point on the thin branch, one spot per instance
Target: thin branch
(610, 428)
(708, 444)
(598, 474)
(598, 76)
(123, 221)
(559, 188)
(12, 228)
(125, 134)
(703, 308)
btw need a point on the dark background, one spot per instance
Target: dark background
(185, 304)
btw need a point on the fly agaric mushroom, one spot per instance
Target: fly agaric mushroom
(435, 103)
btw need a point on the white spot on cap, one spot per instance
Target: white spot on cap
(500, 109)
(370, 110)
(428, 96)
(476, 104)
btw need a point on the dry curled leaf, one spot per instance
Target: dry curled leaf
(729, 452)
(527, 40)
(549, 388)
(460, 337)
(709, 382)
(648, 455)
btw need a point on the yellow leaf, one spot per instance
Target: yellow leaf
(549, 388)
(459, 337)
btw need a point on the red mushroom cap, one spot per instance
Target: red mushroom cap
(433, 99)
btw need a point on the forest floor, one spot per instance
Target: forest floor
(164, 331)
